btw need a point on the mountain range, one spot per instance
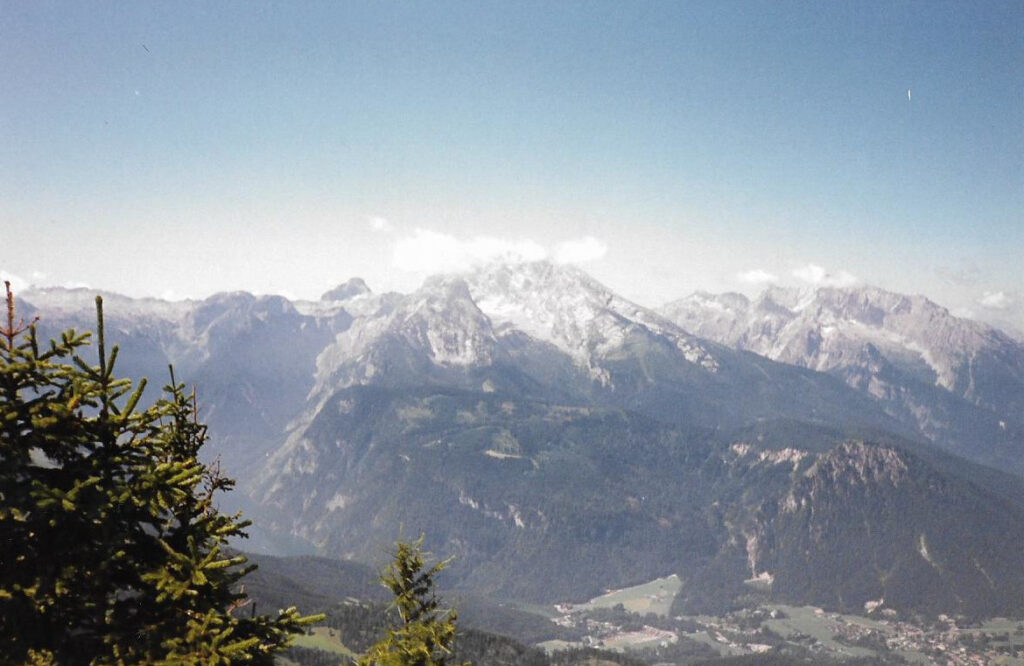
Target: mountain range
(840, 447)
(959, 382)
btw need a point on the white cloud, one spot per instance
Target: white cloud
(174, 295)
(757, 276)
(995, 300)
(18, 283)
(965, 274)
(580, 250)
(381, 224)
(810, 273)
(428, 251)
(818, 276)
(963, 313)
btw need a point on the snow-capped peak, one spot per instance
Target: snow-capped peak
(567, 308)
(829, 328)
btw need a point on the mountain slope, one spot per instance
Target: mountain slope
(548, 502)
(959, 382)
(868, 523)
(552, 332)
(252, 358)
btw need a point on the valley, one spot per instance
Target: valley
(636, 623)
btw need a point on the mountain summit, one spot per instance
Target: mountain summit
(567, 308)
(350, 289)
(960, 382)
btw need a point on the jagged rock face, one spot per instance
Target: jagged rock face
(818, 329)
(867, 522)
(567, 308)
(552, 332)
(713, 316)
(435, 336)
(441, 320)
(853, 463)
(541, 501)
(252, 362)
(961, 383)
(250, 357)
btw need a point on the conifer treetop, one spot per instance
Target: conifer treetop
(113, 551)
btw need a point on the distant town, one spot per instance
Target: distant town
(636, 619)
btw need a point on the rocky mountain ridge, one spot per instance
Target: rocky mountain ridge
(560, 439)
(960, 382)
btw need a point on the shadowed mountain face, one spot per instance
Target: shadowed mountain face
(251, 357)
(895, 530)
(544, 502)
(959, 382)
(559, 439)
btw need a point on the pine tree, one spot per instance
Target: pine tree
(424, 635)
(111, 545)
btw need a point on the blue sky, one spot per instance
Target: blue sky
(181, 149)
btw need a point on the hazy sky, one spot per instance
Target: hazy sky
(185, 148)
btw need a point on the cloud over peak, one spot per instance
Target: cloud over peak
(757, 276)
(580, 250)
(379, 224)
(428, 251)
(818, 276)
(995, 300)
(18, 283)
